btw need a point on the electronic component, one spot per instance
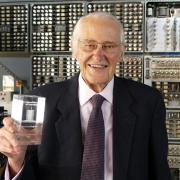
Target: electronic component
(52, 26)
(46, 69)
(174, 160)
(159, 68)
(131, 67)
(173, 125)
(163, 26)
(13, 28)
(163, 73)
(130, 14)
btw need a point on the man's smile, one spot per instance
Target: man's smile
(98, 66)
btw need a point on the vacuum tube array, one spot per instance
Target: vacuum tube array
(131, 67)
(14, 28)
(49, 68)
(131, 17)
(52, 25)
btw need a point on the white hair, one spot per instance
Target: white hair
(97, 15)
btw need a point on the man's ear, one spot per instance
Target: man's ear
(121, 57)
(125, 46)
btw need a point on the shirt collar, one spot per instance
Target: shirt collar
(85, 93)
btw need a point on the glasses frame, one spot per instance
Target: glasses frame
(104, 46)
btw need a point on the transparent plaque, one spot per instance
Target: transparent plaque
(28, 114)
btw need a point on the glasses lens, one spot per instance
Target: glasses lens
(90, 46)
(109, 47)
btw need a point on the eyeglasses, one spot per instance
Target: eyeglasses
(91, 45)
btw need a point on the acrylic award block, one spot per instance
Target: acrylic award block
(28, 114)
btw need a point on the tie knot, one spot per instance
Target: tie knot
(97, 100)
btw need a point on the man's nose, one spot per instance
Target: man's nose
(99, 52)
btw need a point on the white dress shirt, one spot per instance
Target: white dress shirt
(85, 93)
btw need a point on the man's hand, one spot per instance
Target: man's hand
(11, 147)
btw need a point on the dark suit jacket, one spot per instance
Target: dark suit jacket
(139, 134)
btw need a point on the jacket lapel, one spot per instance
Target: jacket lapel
(123, 126)
(68, 126)
(69, 133)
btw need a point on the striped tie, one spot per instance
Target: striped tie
(93, 156)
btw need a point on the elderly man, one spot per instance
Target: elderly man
(129, 141)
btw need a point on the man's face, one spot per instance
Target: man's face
(98, 63)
